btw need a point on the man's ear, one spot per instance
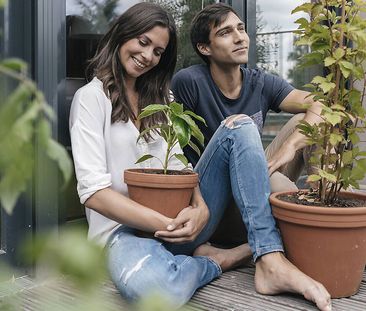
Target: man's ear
(204, 49)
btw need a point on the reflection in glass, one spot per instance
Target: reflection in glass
(277, 15)
(278, 54)
(276, 49)
(88, 20)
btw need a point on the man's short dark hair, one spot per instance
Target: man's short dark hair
(209, 17)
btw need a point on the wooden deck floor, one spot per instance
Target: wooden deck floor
(233, 291)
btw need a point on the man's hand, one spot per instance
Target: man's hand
(186, 226)
(284, 155)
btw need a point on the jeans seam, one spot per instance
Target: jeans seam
(244, 201)
(267, 250)
(217, 266)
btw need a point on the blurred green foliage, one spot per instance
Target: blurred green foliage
(24, 121)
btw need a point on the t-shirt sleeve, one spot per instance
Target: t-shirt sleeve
(276, 89)
(87, 117)
(184, 89)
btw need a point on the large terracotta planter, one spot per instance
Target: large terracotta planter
(167, 194)
(328, 244)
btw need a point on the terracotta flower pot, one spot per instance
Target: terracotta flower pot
(167, 194)
(328, 244)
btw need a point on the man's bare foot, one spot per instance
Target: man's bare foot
(275, 274)
(225, 258)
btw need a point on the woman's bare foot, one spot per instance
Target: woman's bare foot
(275, 274)
(225, 258)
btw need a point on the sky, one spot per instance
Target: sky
(277, 13)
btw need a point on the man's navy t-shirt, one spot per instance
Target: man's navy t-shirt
(195, 88)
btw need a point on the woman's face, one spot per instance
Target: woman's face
(141, 54)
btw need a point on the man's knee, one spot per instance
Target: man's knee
(233, 121)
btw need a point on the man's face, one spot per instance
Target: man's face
(229, 42)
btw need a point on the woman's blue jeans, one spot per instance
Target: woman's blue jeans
(233, 164)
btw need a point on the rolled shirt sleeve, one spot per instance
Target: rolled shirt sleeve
(87, 119)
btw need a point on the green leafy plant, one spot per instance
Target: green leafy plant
(336, 34)
(24, 120)
(179, 129)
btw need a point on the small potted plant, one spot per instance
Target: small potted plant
(166, 191)
(324, 231)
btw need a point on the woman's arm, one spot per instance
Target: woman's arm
(122, 209)
(189, 223)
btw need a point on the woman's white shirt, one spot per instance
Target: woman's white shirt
(102, 151)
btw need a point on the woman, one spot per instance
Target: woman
(133, 68)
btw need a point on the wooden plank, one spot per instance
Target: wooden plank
(234, 290)
(213, 298)
(243, 284)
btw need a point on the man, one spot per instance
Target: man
(221, 89)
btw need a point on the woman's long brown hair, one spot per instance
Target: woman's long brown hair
(152, 86)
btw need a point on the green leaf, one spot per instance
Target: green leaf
(328, 61)
(346, 68)
(313, 177)
(338, 107)
(333, 118)
(144, 158)
(197, 117)
(334, 139)
(182, 131)
(327, 86)
(196, 132)
(318, 80)
(195, 147)
(328, 176)
(347, 157)
(306, 7)
(303, 22)
(58, 153)
(24, 125)
(151, 109)
(16, 64)
(354, 138)
(361, 163)
(9, 197)
(181, 158)
(43, 132)
(358, 172)
(354, 97)
(176, 108)
(338, 53)
(15, 176)
(303, 41)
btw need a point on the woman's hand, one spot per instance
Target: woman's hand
(187, 225)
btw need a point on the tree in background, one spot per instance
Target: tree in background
(183, 12)
(267, 45)
(100, 14)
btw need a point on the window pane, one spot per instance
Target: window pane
(278, 54)
(276, 15)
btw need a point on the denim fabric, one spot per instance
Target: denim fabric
(233, 164)
(142, 266)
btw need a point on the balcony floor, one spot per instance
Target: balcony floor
(233, 291)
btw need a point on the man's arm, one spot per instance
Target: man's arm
(296, 101)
